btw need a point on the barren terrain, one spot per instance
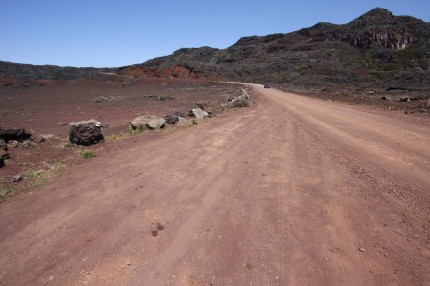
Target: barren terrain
(47, 107)
(112, 99)
(292, 191)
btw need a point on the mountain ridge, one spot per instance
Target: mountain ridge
(48, 72)
(374, 48)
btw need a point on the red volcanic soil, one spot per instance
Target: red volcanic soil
(47, 107)
(292, 191)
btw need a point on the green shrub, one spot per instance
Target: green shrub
(193, 122)
(87, 154)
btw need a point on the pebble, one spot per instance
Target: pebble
(362, 249)
(16, 178)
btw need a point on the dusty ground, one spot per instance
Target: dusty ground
(377, 98)
(294, 191)
(46, 107)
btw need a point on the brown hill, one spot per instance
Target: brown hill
(376, 48)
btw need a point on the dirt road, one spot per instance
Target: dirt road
(295, 191)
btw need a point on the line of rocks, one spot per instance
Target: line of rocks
(106, 99)
(16, 137)
(10, 138)
(238, 101)
(407, 98)
(90, 132)
(152, 122)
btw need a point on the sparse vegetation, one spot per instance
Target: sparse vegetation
(46, 161)
(87, 154)
(56, 166)
(193, 122)
(116, 137)
(34, 174)
(302, 70)
(65, 144)
(139, 130)
(32, 179)
(5, 190)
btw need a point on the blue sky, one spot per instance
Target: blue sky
(116, 33)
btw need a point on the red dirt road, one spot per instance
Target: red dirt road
(294, 191)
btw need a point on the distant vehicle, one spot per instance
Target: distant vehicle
(267, 86)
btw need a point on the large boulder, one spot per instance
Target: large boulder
(85, 132)
(18, 134)
(147, 122)
(198, 113)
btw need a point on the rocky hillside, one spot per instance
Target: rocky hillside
(50, 72)
(376, 48)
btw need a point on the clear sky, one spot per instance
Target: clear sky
(112, 33)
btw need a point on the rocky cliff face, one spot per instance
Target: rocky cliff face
(380, 29)
(376, 47)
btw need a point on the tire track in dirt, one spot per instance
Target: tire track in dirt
(285, 193)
